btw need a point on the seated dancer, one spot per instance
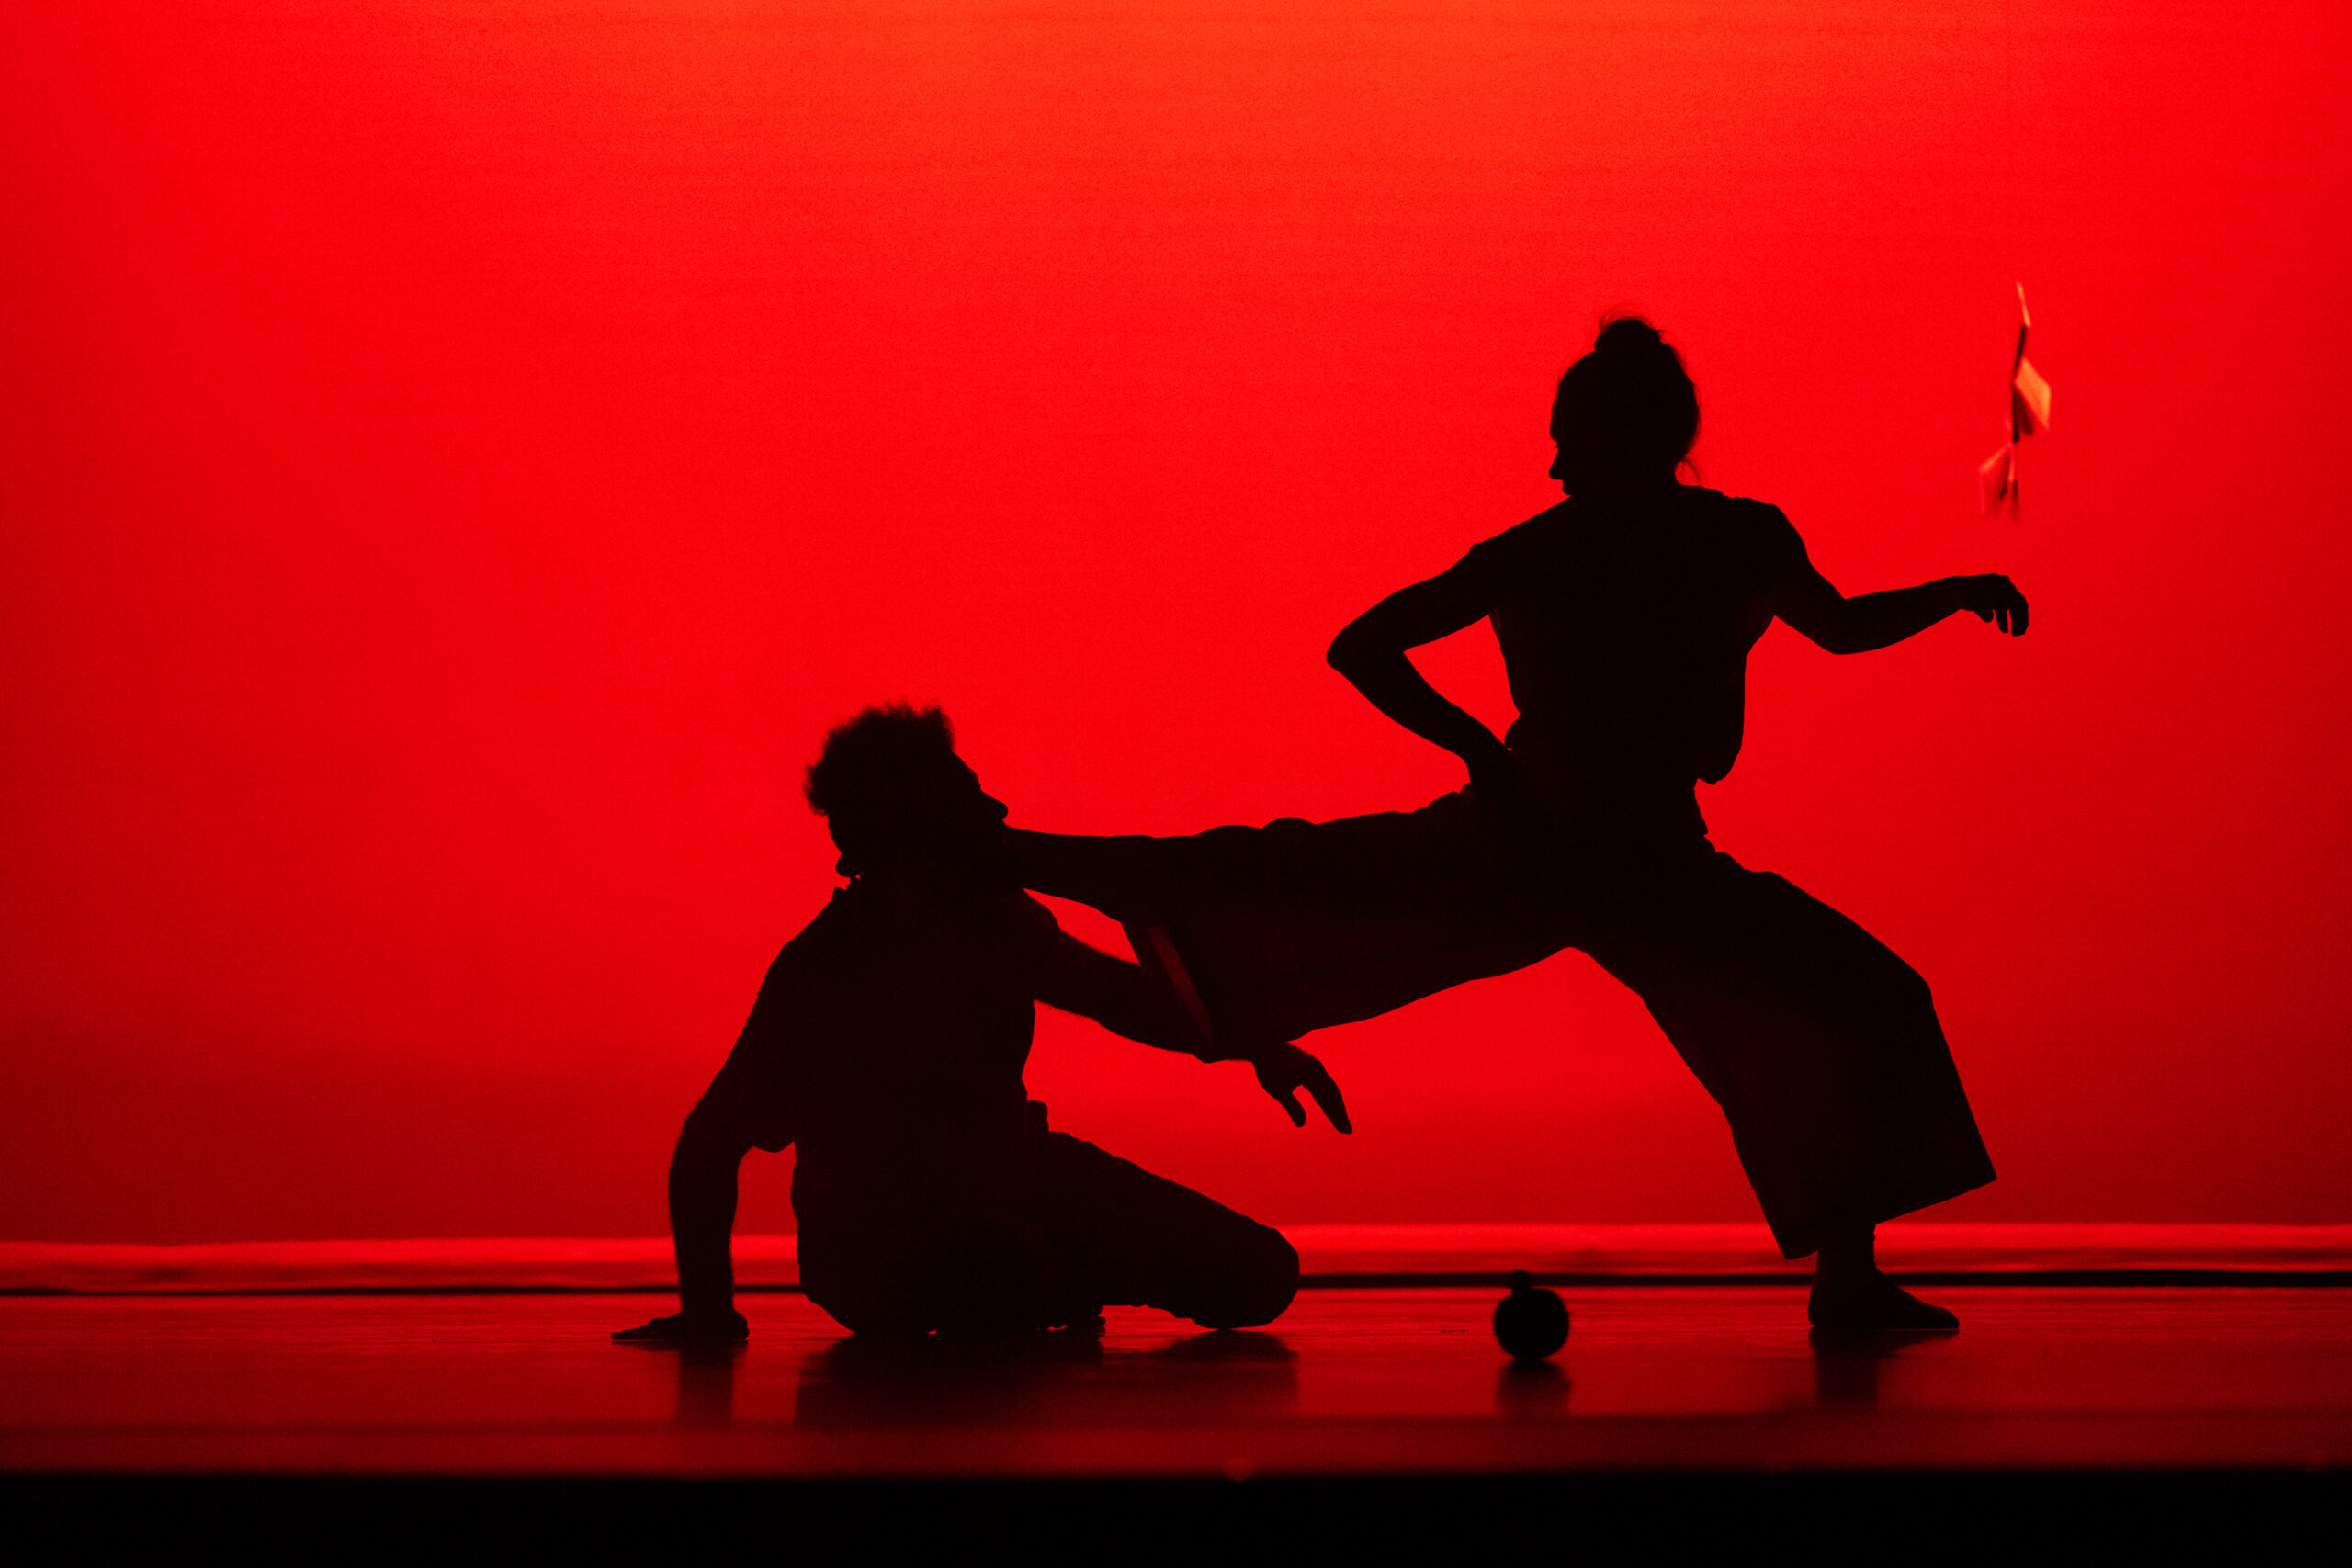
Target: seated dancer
(889, 1042)
(1625, 616)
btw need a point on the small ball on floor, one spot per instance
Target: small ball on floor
(1531, 1323)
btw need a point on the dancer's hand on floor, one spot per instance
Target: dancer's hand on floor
(703, 1328)
(1283, 1069)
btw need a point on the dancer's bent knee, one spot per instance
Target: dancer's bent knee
(1260, 1284)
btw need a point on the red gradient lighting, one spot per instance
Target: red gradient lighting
(457, 461)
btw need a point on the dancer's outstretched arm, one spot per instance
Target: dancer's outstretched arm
(1870, 621)
(1082, 979)
(1371, 653)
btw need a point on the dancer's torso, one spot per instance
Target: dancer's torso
(1625, 632)
(897, 1039)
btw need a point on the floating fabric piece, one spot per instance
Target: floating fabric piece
(1996, 477)
(2030, 413)
(1994, 474)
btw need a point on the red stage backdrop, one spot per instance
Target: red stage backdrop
(456, 459)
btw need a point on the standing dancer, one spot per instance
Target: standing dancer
(1625, 616)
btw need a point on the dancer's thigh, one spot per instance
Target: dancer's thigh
(900, 1273)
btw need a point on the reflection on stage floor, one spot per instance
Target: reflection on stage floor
(1357, 1382)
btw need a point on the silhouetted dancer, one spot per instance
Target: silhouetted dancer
(1625, 616)
(889, 1042)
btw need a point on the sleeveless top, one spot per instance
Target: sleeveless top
(1625, 628)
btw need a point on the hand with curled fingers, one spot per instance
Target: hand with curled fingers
(1283, 1069)
(1993, 597)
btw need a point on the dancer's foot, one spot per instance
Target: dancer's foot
(680, 1328)
(1872, 1304)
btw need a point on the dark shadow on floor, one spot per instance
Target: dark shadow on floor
(1531, 1391)
(1062, 1379)
(1845, 1366)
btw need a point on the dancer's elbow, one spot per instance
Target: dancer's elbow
(1843, 641)
(1354, 650)
(1834, 634)
(711, 1139)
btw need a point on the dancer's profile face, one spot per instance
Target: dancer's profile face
(1584, 458)
(1578, 459)
(1567, 464)
(934, 824)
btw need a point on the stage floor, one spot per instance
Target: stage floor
(1351, 1382)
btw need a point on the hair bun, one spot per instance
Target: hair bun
(1628, 337)
(1631, 395)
